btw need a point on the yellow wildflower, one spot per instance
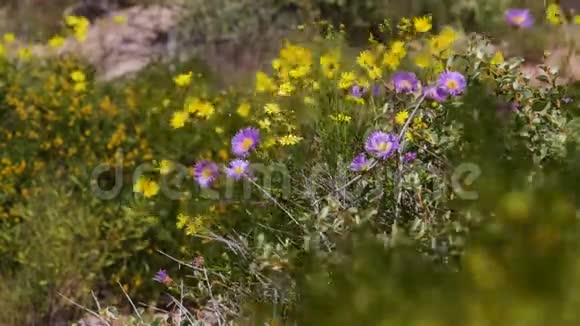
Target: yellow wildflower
(366, 59)
(347, 79)
(183, 80)
(223, 154)
(401, 117)
(56, 42)
(577, 19)
(398, 48)
(391, 60)
(147, 187)
(330, 64)
(78, 76)
(375, 72)
(497, 58)
(289, 140)
(423, 59)
(205, 110)
(182, 220)
(244, 109)
(276, 64)
(272, 108)
(422, 24)
(341, 117)
(24, 53)
(165, 167)
(264, 83)
(178, 119)
(120, 19)
(9, 37)
(285, 89)
(265, 124)
(553, 14)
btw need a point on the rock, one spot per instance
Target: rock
(118, 48)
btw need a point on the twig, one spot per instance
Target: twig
(399, 176)
(96, 301)
(85, 308)
(130, 301)
(275, 202)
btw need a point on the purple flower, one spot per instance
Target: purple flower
(567, 100)
(452, 82)
(205, 173)
(357, 91)
(381, 144)
(435, 93)
(245, 141)
(161, 276)
(409, 157)
(376, 90)
(405, 82)
(238, 169)
(360, 163)
(521, 18)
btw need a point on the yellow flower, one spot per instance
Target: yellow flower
(183, 80)
(147, 187)
(341, 117)
(182, 220)
(80, 87)
(56, 42)
(497, 58)
(375, 72)
(165, 167)
(309, 100)
(276, 64)
(330, 64)
(285, 89)
(78, 76)
(244, 109)
(264, 124)
(423, 59)
(366, 59)
(422, 24)
(79, 25)
(398, 48)
(289, 140)
(553, 14)
(391, 60)
(577, 19)
(347, 79)
(205, 110)
(401, 117)
(264, 83)
(178, 119)
(120, 19)
(24, 53)
(419, 124)
(9, 37)
(443, 41)
(272, 109)
(223, 154)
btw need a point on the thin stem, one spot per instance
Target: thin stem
(130, 301)
(275, 202)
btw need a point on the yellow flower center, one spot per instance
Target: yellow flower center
(238, 170)
(452, 84)
(384, 146)
(519, 19)
(206, 173)
(247, 143)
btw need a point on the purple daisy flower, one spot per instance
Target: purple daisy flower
(376, 90)
(357, 91)
(360, 163)
(205, 173)
(161, 276)
(452, 82)
(245, 141)
(521, 18)
(409, 157)
(567, 100)
(405, 82)
(382, 144)
(238, 169)
(435, 93)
